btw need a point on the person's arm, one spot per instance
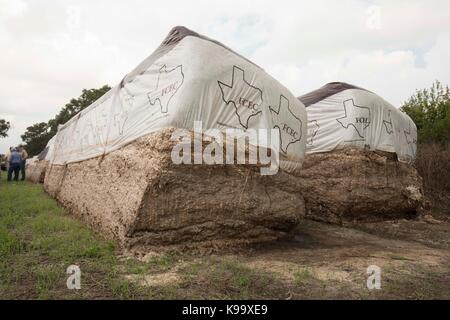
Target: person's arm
(8, 158)
(25, 154)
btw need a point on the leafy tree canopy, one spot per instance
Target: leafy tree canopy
(430, 110)
(36, 137)
(4, 127)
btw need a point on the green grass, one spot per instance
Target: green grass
(38, 241)
(302, 275)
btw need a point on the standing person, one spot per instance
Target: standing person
(15, 161)
(6, 158)
(24, 155)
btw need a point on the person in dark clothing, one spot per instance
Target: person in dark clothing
(24, 155)
(15, 161)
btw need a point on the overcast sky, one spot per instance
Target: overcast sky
(50, 50)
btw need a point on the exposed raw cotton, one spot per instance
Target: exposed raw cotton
(358, 163)
(137, 195)
(351, 184)
(35, 171)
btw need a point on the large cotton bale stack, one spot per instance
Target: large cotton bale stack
(360, 153)
(111, 163)
(35, 171)
(137, 195)
(37, 166)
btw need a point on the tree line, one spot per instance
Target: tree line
(430, 111)
(4, 127)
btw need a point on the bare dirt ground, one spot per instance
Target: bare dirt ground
(414, 258)
(323, 261)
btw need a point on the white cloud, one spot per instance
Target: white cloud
(51, 50)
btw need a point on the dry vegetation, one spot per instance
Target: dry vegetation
(433, 164)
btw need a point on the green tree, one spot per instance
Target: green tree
(37, 136)
(430, 110)
(86, 98)
(4, 127)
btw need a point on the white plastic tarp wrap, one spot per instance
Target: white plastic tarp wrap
(359, 118)
(49, 150)
(188, 78)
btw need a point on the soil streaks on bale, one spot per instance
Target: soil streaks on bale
(358, 185)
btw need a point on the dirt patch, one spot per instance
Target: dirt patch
(322, 261)
(155, 280)
(326, 261)
(429, 231)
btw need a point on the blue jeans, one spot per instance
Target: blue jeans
(14, 167)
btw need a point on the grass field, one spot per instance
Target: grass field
(38, 241)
